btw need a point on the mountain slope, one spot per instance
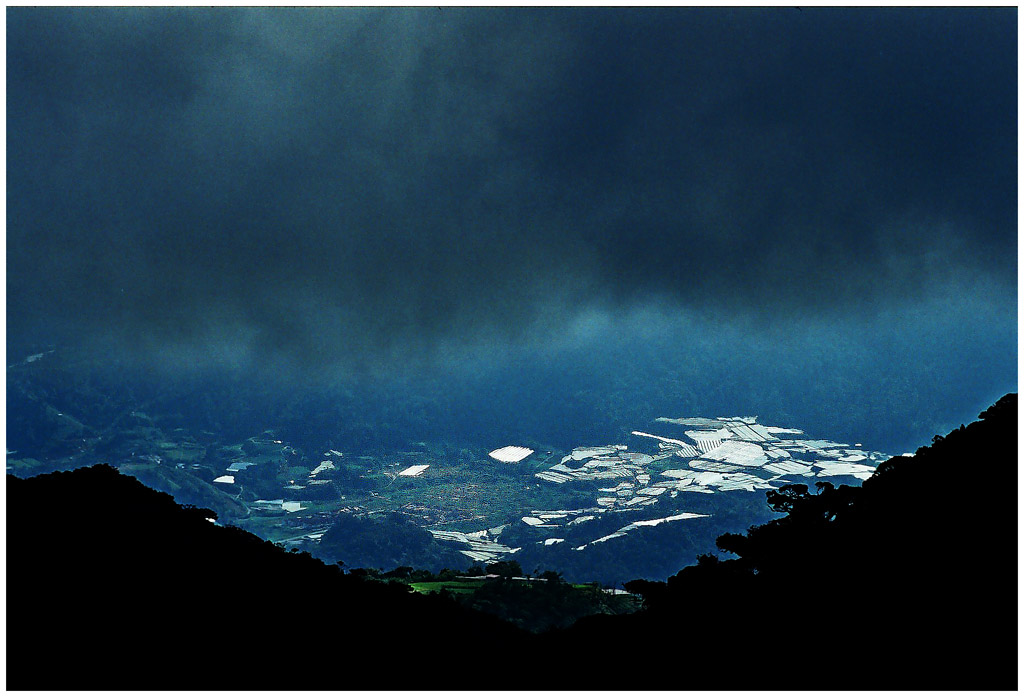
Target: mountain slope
(114, 586)
(908, 582)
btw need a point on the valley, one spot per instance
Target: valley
(637, 508)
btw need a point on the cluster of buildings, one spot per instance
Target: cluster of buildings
(621, 532)
(481, 544)
(718, 455)
(711, 456)
(723, 455)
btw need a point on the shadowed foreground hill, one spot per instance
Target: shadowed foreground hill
(908, 582)
(111, 585)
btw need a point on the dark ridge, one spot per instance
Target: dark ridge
(114, 586)
(908, 582)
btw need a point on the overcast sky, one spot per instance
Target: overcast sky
(343, 186)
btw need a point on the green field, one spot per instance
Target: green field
(460, 586)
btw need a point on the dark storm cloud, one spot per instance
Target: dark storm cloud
(325, 183)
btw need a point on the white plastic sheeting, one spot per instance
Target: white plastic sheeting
(585, 453)
(738, 453)
(555, 477)
(714, 466)
(510, 453)
(789, 467)
(663, 439)
(678, 474)
(637, 458)
(323, 467)
(752, 432)
(450, 535)
(691, 421)
(621, 532)
(838, 469)
(729, 455)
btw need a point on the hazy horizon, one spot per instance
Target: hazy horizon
(528, 213)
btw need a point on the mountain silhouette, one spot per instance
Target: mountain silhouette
(112, 585)
(907, 582)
